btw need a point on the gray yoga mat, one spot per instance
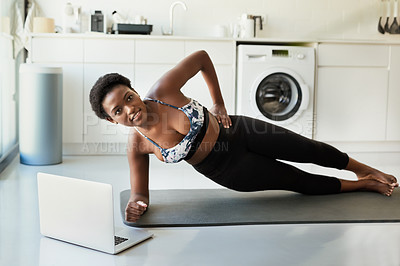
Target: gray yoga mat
(215, 207)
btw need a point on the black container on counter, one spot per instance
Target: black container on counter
(122, 28)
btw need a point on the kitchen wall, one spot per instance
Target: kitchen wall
(285, 18)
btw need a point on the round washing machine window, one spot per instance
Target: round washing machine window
(278, 96)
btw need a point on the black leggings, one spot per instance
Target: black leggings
(245, 155)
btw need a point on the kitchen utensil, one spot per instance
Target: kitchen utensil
(387, 29)
(394, 28)
(382, 8)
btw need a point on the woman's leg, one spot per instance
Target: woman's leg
(366, 172)
(255, 172)
(279, 143)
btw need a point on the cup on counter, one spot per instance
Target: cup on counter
(220, 31)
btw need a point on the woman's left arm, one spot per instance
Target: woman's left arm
(171, 82)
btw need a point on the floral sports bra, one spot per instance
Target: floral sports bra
(196, 114)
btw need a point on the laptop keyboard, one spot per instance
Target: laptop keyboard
(118, 240)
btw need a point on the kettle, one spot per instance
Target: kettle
(248, 25)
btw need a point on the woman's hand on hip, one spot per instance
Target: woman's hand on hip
(134, 209)
(219, 111)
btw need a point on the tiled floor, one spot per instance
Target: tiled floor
(318, 244)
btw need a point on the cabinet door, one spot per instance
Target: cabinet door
(109, 51)
(393, 118)
(147, 74)
(99, 130)
(351, 104)
(159, 51)
(197, 88)
(369, 55)
(220, 52)
(60, 50)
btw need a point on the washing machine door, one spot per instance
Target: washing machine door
(279, 95)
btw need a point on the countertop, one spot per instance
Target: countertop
(374, 39)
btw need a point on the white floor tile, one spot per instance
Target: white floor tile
(307, 244)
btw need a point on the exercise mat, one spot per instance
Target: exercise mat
(217, 207)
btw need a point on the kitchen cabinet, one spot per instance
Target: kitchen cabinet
(109, 51)
(143, 60)
(149, 66)
(393, 113)
(351, 104)
(60, 50)
(352, 92)
(223, 55)
(159, 51)
(68, 54)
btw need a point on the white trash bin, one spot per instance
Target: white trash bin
(40, 114)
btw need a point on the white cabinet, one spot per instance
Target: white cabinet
(109, 51)
(68, 54)
(351, 104)
(152, 62)
(58, 50)
(352, 92)
(393, 117)
(159, 51)
(353, 55)
(84, 59)
(222, 53)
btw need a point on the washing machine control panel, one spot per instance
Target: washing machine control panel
(282, 53)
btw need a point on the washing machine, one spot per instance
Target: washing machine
(276, 84)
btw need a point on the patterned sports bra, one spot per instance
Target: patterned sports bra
(195, 112)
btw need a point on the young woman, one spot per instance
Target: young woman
(237, 152)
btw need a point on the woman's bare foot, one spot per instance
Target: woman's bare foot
(367, 185)
(377, 186)
(366, 172)
(381, 177)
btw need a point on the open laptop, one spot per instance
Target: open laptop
(82, 212)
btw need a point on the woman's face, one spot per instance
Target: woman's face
(124, 106)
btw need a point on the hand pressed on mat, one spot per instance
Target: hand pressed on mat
(134, 209)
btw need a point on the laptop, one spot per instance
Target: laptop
(81, 212)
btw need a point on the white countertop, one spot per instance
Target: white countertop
(375, 39)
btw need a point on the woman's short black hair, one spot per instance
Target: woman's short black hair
(100, 89)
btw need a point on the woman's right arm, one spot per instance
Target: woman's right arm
(139, 179)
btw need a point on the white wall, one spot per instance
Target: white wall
(285, 18)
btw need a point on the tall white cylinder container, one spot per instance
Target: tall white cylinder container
(40, 115)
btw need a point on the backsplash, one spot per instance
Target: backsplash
(285, 18)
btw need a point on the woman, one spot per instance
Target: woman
(237, 152)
